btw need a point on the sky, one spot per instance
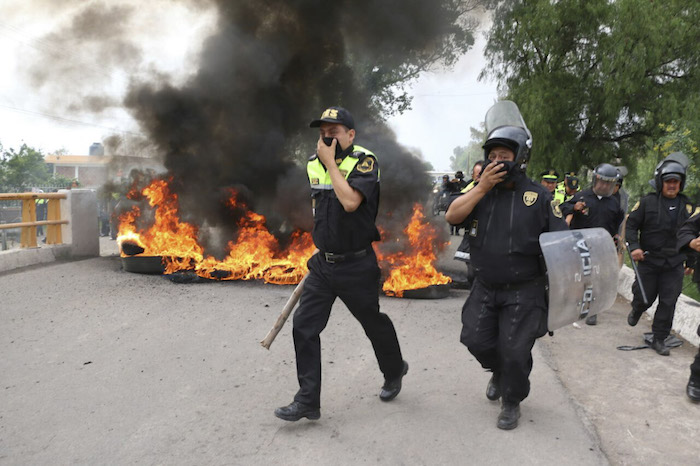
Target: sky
(445, 103)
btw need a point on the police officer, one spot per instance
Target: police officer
(462, 253)
(548, 179)
(651, 231)
(567, 188)
(689, 242)
(506, 311)
(595, 207)
(344, 180)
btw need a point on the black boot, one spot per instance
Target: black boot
(295, 411)
(633, 317)
(392, 388)
(660, 347)
(510, 413)
(693, 390)
(592, 320)
(493, 389)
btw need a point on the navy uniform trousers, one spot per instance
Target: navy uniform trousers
(356, 283)
(666, 283)
(500, 328)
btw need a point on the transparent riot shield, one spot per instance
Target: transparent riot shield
(582, 269)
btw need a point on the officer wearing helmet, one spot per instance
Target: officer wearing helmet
(595, 207)
(651, 231)
(504, 215)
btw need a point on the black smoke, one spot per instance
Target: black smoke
(271, 67)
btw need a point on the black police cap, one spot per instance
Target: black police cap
(337, 115)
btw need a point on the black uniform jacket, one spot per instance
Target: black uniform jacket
(688, 232)
(604, 212)
(504, 230)
(338, 231)
(651, 227)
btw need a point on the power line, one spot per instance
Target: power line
(457, 95)
(68, 120)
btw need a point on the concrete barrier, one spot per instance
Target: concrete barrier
(80, 236)
(687, 316)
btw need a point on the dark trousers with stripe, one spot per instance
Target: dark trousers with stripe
(666, 283)
(356, 283)
(499, 327)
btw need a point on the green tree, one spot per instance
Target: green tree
(465, 156)
(594, 79)
(23, 168)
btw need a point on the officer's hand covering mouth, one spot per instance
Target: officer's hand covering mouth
(329, 141)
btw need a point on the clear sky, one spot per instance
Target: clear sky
(445, 104)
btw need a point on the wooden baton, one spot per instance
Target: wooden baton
(288, 308)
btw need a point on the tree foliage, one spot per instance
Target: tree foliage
(465, 156)
(596, 80)
(23, 168)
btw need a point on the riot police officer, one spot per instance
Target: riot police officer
(689, 241)
(651, 231)
(595, 207)
(344, 180)
(504, 215)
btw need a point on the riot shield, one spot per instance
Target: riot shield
(504, 113)
(582, 270)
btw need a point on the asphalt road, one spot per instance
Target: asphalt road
(103, 366)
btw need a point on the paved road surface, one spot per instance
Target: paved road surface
(103, 366)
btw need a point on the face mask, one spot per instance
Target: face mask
(329, 141)
(511, 167)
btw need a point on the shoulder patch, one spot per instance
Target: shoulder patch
(555, 209)
(530, 197)
(636, 206)
(689, 208)
(366, 165)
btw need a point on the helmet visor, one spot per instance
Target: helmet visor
(604, 186)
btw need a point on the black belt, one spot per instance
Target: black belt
(332, 257)
(514, 286)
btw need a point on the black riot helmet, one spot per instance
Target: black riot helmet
(505, 127)
(605, 178)
(511, 137)
(669, 169)
(459, 175)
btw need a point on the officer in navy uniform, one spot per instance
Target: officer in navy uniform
(506, 311)
(548, 179)
(651, 231)
(689, 242)
(344, 181)
(595, 207)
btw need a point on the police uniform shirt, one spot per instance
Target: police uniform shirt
(652, 226)
(603, 212)
(504, 230)
(338, 231)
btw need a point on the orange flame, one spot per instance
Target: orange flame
(255, 255)
(415, 269)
